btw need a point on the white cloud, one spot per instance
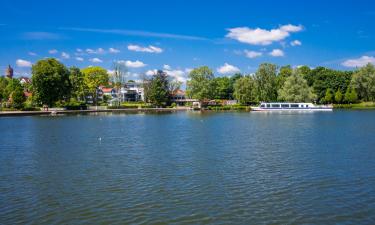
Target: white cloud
(53, 51)
(252, 54)
(65, 55)
(96, 60)
(79, 59)
(260, 36)
(151, 72)
(178, 75)
(359, 62)
(277, 53)
(132, 64)
(79, 50)
(167, 67)
(149, 49)
(23, 63)
(114, 50)
(228, 69)
(95, 51)
(32, 53)
(295, 43)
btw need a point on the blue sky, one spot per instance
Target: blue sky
(228, 36)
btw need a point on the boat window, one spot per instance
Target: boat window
(284, 105)
(275, 105)
(307, 106)
(268, 106)
(262, 105)
(294, 105)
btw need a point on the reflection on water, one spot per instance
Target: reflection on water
(238, 168)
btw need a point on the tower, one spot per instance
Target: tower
(9, 72)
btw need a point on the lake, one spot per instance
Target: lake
(189, 168)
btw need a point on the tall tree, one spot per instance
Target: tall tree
(265, 78)
(245, 90)
(351, 96)
(79, 88)
(200, 85)
(338, 96)
(295, 89)
(223, 88)
(363, 82)
(157, 90)
(118, 76)
(50, 80)
(94, 77)
(328, 98)
(284, 73)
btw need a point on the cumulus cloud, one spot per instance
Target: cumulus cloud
(53, 51)
(295, 43)
(149, 49)
(114, 50)
(359, 62)
(259, 36)
(151, 72)
(95, 51)
(96, 60)
(79, 59)
(228, 69)
(167, 67)
(23, 63)
(132, 64)
(252, 54)
(277, 53)
(65, 55)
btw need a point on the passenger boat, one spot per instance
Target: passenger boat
(288, 106)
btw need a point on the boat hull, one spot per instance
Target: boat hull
(324, 109)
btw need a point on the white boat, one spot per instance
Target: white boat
(288, 106)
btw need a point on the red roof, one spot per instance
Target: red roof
(178, 92)
(107, 90)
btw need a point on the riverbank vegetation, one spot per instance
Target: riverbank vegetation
(53, 84)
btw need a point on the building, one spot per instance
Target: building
(110, 92)
(179, 97)
(25, 80)
(132, 92)
(9, 72)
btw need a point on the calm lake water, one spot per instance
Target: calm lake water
(189, 168)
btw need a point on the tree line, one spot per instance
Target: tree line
(272, 83)
(53, 83)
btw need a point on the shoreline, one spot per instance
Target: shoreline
(62, 112)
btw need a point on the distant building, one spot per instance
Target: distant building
(132, 92)
(9, 72)
(25, 80)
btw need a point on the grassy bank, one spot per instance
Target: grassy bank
(361, 105)
(229, 107)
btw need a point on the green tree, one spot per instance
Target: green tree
(351, 96)
(157, 89)
(94, 77)
(77, 81)
(200, 85)
(295, 89)
(363, 82)
(224, 88)
(284, 73)
(265, 79)
(338, 96)
(3, 85)
(50, 81)
(245, 90)
(17, 98)
(328, 98)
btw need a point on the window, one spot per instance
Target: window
(293, 105)
(268, 106)
(275, 105)
(307, 106)
(262, 106)
(284, 105)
